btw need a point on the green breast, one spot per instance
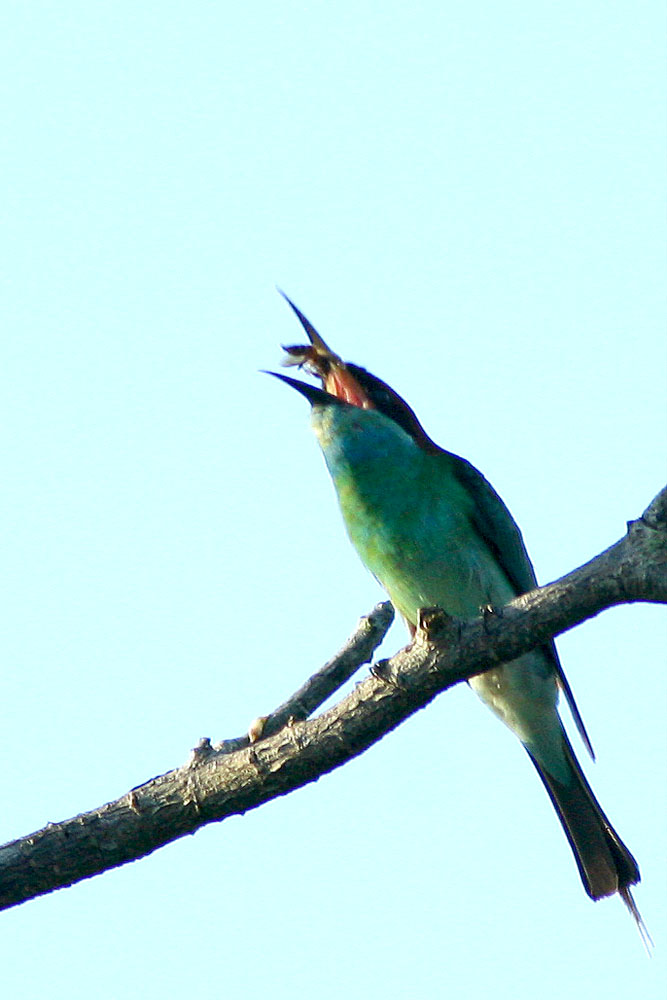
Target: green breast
(408, 517)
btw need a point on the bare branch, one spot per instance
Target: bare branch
(358, 650)
(215, 784)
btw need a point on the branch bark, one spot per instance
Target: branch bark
(284, 751)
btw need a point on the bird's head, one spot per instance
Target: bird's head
(349, 383)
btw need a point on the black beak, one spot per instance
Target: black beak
(315, 396)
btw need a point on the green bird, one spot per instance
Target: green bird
(434, 532)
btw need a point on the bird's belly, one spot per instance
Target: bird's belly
(523, 693)
(435, 558)
(427, 558)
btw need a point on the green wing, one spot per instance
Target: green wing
(500, 531)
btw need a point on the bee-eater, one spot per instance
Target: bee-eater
(434, 532)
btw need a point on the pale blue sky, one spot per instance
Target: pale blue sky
(471, 203)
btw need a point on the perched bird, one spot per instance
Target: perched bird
(434, 532)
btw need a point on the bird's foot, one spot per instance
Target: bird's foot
(435, 625)
(488, 613)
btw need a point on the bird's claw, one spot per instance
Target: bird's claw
(435, 625)
(488, 613)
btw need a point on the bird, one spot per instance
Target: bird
(434, 532)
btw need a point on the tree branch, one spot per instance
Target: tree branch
(244, 773)
(358, 650)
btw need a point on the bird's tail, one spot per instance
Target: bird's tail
(605, 864)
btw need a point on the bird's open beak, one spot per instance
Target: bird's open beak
(318, 359)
